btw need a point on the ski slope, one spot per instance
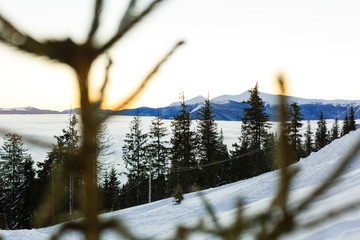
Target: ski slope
(158, 220)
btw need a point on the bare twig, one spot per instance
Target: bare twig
(55, 50)
(128, 22)
(96, 19)
(128, 17)
(105, 82)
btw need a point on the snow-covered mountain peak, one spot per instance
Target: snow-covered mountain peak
(17, 109)
(192, 101)
(269, 99)
(226, 98)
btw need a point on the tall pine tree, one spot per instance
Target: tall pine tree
(309, 145)
(183, 145)
(335, 130)
(15, 168)
(158, 154)
(51, 171)
(321, 135)
(103, 150)
(222, 154)
(209, 147)
(255, 128)
(294, 130)
(352, 123)
(345, 127)
(134, 156)
(111, 191)
(242, 166)
(26, 201)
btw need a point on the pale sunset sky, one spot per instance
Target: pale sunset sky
(230, 45)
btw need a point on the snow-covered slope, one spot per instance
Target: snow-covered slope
(159, 219)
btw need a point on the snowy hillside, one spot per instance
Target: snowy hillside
(158, 219)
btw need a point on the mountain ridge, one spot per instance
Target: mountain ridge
(227, 108)
(272, 99)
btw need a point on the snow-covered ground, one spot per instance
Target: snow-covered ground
(158, 220)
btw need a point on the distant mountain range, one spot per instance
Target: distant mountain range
(29, 110)
(229, 108)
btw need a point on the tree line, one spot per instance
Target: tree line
(193, 159)
(197, 158)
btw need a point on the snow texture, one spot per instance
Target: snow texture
(159, 219)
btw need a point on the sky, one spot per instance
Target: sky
(230, 45)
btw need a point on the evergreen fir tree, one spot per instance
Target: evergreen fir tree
(335, 130)
(158, 157)
(14, 160)
(352, 123)
(294, 130)
(346, 126)
(241, 167)
(183, 143)
(103, 144)
(223, 150)
(208, 146)
(255, 128)
(65, 149)
(271, 143)
(207, 132)
(308, 140)
(134, 156)
(222, 154)
(26, 201)
(321, 135)
(111, 191)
